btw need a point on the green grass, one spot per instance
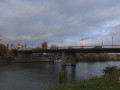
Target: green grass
(104, 83)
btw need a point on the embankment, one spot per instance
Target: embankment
(25, 59)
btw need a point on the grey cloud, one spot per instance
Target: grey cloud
(39, 20)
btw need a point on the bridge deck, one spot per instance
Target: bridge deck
(87, 50)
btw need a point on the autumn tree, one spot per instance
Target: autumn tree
(3, 50)
(44, 45)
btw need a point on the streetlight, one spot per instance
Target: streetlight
(61, 44)
(102, 44)
(112, 42)
(82, 42)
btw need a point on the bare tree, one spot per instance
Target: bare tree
(54, 46)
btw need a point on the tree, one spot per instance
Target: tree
(44, 45)
(54, 46)
(3, 50)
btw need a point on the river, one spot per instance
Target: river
(40, 76)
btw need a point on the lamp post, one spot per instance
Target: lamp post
(102, 44)
(82, 42)
(61, 44)
(112, 42)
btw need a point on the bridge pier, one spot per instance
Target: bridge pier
(72, 58)
(73, 61)
(63, 59)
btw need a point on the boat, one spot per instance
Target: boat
(57, 60)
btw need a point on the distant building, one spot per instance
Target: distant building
(9, 46)
(21, 46)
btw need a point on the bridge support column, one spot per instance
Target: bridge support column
(73, 61)
(63, 59)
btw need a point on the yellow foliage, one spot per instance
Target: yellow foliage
(44, 45)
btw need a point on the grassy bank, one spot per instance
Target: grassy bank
(104, 83)
(110, 81)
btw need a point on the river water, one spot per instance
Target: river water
(40, 76)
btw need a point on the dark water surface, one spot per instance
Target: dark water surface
(40, 76)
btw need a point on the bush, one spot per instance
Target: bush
(94, 57)
(112, 71)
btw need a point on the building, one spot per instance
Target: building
(9, 46)
(21, 46)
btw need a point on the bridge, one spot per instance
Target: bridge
(86, 50)
(72, 52)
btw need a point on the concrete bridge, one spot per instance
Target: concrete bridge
(86, 50)
(72, 52)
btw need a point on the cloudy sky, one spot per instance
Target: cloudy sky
(69, 21)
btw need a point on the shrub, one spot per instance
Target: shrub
(112, 71)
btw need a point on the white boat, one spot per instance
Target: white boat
(57, 60)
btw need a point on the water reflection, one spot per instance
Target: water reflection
(37, 76)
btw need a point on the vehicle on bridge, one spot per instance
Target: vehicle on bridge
(98, 47)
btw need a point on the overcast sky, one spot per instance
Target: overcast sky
(69, 21)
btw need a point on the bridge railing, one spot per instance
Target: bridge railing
(79, 47)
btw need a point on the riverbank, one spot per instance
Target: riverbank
(104, 83)
(97, 57)
(29, 59)
(110, 81)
